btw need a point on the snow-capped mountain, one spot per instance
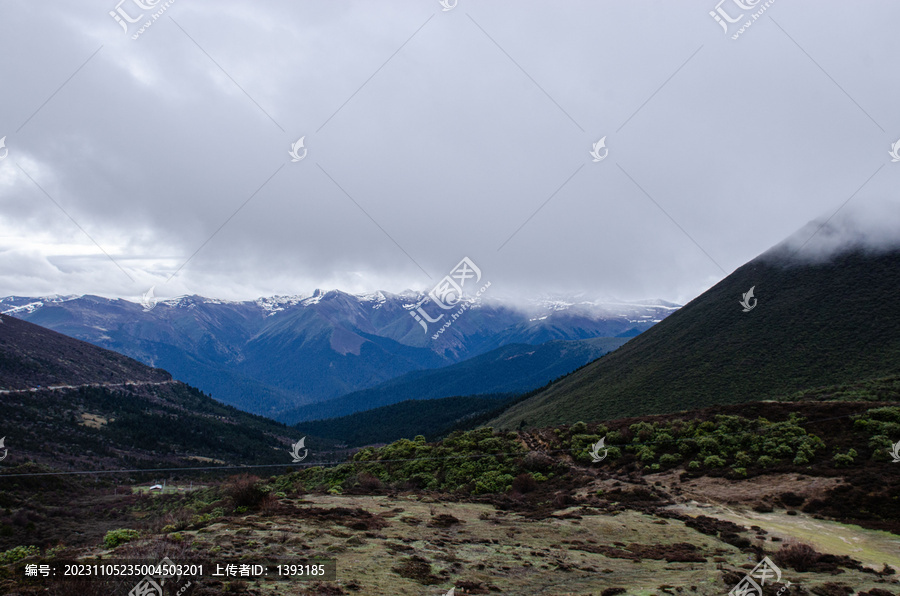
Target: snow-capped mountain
(276, 353)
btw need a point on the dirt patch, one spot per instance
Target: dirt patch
(353, 518)
(417, 569)
(444, 520)
(771, 489)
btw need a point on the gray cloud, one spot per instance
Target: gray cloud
(446, 144)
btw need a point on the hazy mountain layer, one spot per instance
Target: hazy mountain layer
(279, 353)
(514, 368)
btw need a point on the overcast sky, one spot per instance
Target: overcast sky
(431, 135)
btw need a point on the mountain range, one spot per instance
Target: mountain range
(273, 355)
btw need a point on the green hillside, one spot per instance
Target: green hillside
(813, 325)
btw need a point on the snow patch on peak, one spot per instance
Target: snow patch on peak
(378, 298)
(23, 308)
(275, 304)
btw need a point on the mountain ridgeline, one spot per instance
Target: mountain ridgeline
(824, 323)
(277, 354)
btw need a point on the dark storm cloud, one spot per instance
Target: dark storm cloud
(432, 135)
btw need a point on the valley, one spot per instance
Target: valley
(595, 466)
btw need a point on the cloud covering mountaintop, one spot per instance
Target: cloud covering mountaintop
(430, 135)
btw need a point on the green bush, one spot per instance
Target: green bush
(615, 438)
(17, 554)
(668, 460)
(765, 461)
(842, 460)
(694, 465)
(646, 454)
(713, 461)
(114, 538)
(492, 482)
(743, 459)
(579, 428)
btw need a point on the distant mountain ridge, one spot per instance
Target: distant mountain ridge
(811, 323)
(514, 368)
(278, 353)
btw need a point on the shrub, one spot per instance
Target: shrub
(709, 446)
(688, 446)
(842, 460)
(579, 428)
(246, 491)
(524, 483)
(646, 454)
(668, 460)
(114, 538)
(713, 461)
(694, 465)
(615, 438)
(17, 554)
(492, 482)
(765, 461)
(798, 556)
(368, 482)
(743, 459)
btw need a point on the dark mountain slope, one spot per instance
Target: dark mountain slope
(32, 356)
(71, 405)
(431, 418)
(515, 368)
(814, 324)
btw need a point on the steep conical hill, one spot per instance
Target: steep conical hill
(814, 324)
